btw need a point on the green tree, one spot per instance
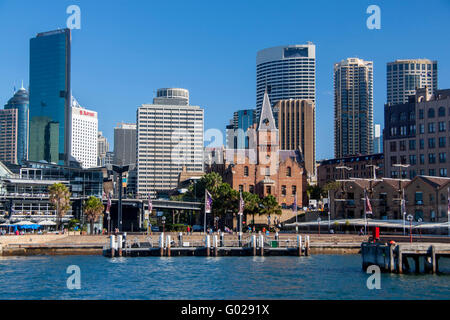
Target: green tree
(210, 181)
(93, 209)
(314, 192)
(59, 197)
(330, 186)
(270, 206)
(252, 202)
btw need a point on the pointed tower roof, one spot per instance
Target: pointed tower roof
(266, 119)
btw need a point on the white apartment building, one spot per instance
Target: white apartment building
(404, 76)
(169, 136)
(84, 135)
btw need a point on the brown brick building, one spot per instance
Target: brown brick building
(263, 169)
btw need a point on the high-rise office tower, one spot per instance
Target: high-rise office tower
(102, 149)
(377, 139)
(50, 97)
(296, 130)
(169, 137)
(8, 135)
(237, 130)
(288, 72)
(84, 131)
(20, 102)
(353, 107)
(125, 144)
(404, 76)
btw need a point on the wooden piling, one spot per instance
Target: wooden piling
(399, 260)
(207, 244)
(261, 245)
(161, 244)
(433, 259)
(254, 244)
(299, 245)
(215, 245)
(112, 245)
(168, 246)
(391, 258)
(307, 246)
(119, 244)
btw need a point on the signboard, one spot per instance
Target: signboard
(159, 213)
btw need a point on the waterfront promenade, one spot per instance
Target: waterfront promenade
(53, 244)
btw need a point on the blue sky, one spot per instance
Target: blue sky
(125, 50)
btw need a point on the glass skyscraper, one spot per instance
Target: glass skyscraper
(20, 102)
(50, 97)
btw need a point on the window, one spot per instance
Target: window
(418, 198)
(403, 116)
(393, 146)
(241, 188)
(443, 172)
(430, 113)
(441, 112)
(441, 126)
(421, 144)
(283, 190)
(431, 127)
(442, 157)
(412, 159)
(251, 188)
(245, 171)
(442, 142)
(431, 158)
(267, 171)
(431, 143)
(288, 172)
(420, 113)
(268, 190)
(393, 160)
(421, 128)
(412, 144)
(412, 115)
(294, 190)
(422, 159)
(403, 159)
(432, 172)
(402, 145)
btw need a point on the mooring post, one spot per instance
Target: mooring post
(254, 244)
(240, 239)
(207, 244)
(180, 239)
(119, 244)
(215, 242)
(299, 245)
(261, 244)
(168, 244)
(112, 245)
(399, 259)
(161, 244)
(221, 239)
(433, 259)
(277, 237)
(391, 258)
(307, 246)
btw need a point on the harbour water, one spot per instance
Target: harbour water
(313, 277)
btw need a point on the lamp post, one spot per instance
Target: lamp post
(410, 218)
(420, 230)
(120, 170)
(164, 223)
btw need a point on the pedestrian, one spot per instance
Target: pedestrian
(188, 229)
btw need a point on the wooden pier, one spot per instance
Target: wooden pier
(211, 246)
(397, 257)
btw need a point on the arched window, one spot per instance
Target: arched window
(441, 112)
(246, 171)
(431, 113)
(289, 172)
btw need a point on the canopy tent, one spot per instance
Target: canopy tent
(47, 223)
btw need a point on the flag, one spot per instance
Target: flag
(294, 206)
(208, 201)
(150, 205)
(241, 204)
(108, 204)
(368, 207)
(448, 201)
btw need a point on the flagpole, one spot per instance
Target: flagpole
(204, 216)
(403, 206)
(448, 210)
(296, 215)
(365, 215)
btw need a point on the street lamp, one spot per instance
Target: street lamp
(410, 219)
(420, 230)
(120, 170)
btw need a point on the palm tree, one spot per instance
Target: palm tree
(59, 197)
(93, 209)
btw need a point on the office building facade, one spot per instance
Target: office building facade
(125, 144)
(169, 137)
(102, 149)
(377, 139)
(296, 128)
(404, 76)
(416, 135)
(353, 107)
(50, 96)
(288, 72)
(8, 135)
(237, 137)
(84, 136)
(20, 101)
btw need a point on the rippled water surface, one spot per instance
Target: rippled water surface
(314, 277)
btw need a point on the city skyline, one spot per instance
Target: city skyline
(127, 77)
